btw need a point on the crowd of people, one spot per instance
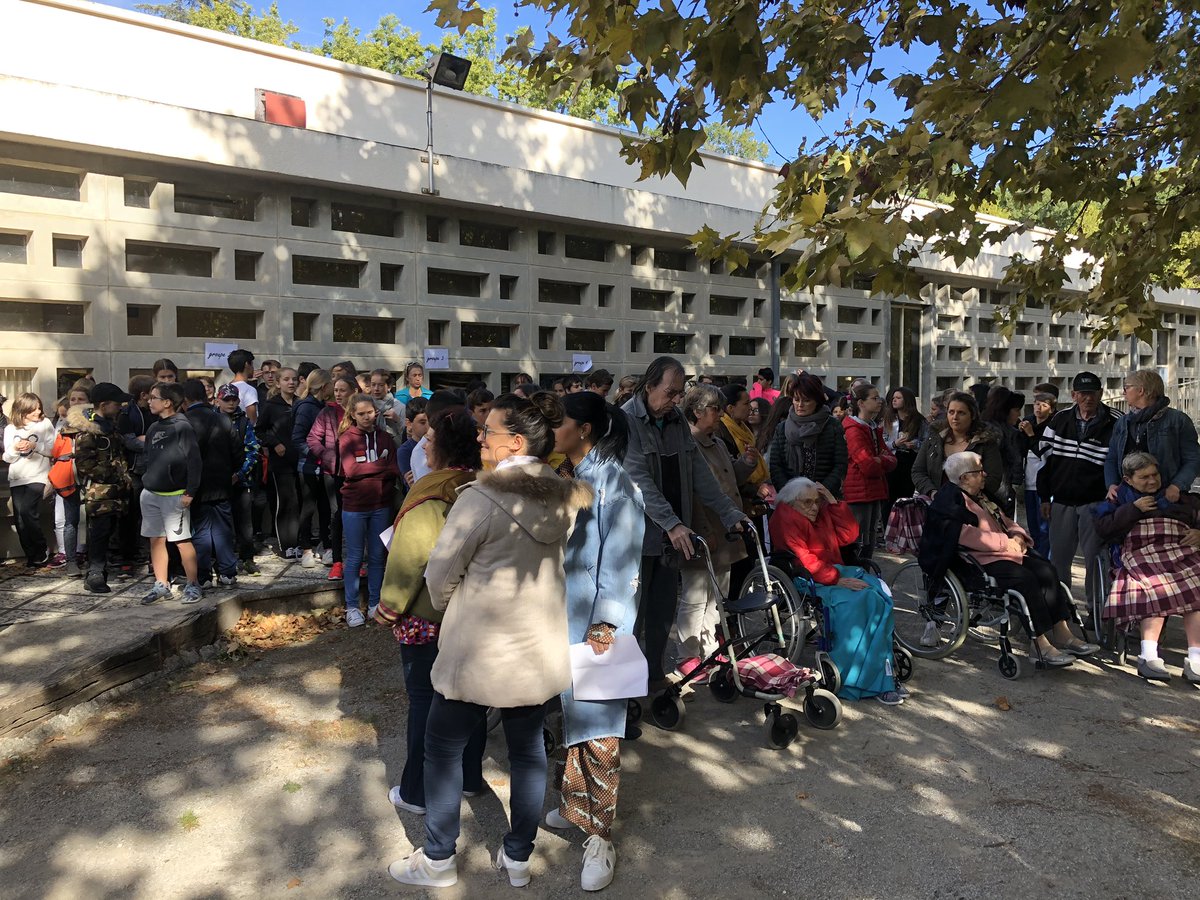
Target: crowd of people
(493, 532)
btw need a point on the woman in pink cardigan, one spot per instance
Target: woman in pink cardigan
(1002, 547)
(322, 444)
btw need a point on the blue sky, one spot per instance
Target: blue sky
(782, 127)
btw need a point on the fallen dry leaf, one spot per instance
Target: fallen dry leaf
(1002, 704)
(802, 795)
(270, 631)
(294, 883)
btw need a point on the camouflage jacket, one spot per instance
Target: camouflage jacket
(100, 464)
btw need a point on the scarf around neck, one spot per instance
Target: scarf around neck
(743, 438)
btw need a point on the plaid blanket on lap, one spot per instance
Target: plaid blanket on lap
(1160, 577)
(774, 674)
(904, 525)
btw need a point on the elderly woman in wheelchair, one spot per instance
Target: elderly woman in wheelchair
(963, 520)
(1158, 566)
(813, 526)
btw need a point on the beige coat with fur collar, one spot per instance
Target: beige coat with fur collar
(497, 572)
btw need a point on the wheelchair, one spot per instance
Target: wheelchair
(803, 617)
(968, 604)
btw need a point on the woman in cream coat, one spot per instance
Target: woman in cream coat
(497, 572)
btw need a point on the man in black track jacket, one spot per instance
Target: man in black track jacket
(1074, 446)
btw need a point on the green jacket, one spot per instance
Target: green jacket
(416, 530)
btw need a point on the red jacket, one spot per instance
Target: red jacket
(816, 545)
(869, 462)
(368, 465)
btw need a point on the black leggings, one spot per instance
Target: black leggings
(286, 482)
(27, 511)
(333, 496)
(314, 503)
(1037, 581)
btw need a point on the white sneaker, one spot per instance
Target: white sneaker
(419, 869)
(599, 863)
(354, 617)
(400, 803)
(555, 819)
(308, 560)
(518, 872)
(327, 558)
(931, 638)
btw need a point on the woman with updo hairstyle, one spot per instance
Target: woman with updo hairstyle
(603, 556)
(497, 577)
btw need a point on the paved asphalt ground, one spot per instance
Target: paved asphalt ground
(267, 776)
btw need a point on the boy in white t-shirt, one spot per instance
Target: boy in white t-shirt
(241, 364)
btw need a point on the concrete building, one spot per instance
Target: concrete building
(147, 210)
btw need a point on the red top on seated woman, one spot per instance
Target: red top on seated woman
(816, 545)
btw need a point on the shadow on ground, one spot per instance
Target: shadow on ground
(268, 775)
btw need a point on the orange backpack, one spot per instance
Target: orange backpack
(62, 465)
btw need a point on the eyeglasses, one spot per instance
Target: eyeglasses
(154, 399)
(488, 432)
(672, 393)
(974, 472)
(1129, 387)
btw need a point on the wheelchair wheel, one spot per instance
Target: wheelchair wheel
(722, 687)
(1010, 666)
(633, 714)
(781, 730)
(493, 718)
(667, 711)
(784, 640)
(902, 663)
(831, 675)
(913, 613)
(822, 709)
(1099, 600)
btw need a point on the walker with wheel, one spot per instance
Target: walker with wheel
(766, 609)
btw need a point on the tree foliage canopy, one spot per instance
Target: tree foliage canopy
(393, 47)
(1084, 110)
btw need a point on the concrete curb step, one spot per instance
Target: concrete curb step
(50, 667)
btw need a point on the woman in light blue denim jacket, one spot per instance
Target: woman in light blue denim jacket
(602, 567)
(1153, 427)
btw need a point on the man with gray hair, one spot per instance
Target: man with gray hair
(666, 464)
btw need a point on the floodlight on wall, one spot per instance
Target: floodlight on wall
(449, 71)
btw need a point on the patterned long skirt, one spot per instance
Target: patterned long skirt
(589, 776)
(1158, 575)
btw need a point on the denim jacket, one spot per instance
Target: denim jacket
(1171, 439)
(602, 564)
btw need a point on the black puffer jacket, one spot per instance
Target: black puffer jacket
(274, 426)
(220, 452)
(829, 459)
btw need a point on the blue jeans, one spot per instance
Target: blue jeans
(1039, 528)
(212, 535)
(451, 725)
(359, 530)
(418, 663)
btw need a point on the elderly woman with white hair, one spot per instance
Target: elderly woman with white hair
(963, 518)
(813, 526)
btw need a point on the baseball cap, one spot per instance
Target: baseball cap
(106, 391)
(228, 392)
(1086, 381)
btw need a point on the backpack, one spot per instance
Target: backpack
(62, 465)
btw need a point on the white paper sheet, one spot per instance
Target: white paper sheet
(615, 675)
(386, 536)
